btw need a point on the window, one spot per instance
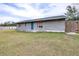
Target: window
(41, 26)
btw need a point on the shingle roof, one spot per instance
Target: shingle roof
(44, 19)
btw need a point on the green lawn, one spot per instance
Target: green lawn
(38, 44)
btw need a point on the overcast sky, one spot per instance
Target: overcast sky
(21, 11)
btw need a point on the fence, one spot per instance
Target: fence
(71, 26)
(7, 27)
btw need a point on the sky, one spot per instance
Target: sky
(25, 11)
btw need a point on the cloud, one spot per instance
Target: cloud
(22, 11)
(28, 10)
(7, 18)
(13, 5)
(39, 1)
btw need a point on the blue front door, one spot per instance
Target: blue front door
(32, 25)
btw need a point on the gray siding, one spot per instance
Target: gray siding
(53, 26)
(24, 27)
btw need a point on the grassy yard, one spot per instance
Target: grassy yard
(38, 44)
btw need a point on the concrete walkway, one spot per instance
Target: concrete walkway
(72, 33)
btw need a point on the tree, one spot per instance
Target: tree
(8, 23)
(72, 13)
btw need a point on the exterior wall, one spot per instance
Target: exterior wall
(24, 27)
(20, 27)
(49, 26)
(54, 26)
